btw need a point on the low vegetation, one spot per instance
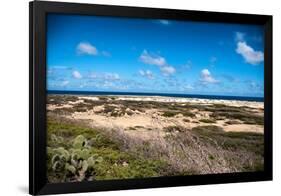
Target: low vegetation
(209, 149)
(169, 113)
(232, 122)
(173, 129)
(188, 142)
(207, 120)
(77, 153)
(218, 111)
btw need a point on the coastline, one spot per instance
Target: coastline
(167, 99)
(150, 94)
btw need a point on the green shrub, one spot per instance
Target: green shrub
(89, 155)
(188, 114)
(186, 120)
(232, 122)
(169, 113)
(173, 129)
(207, 120)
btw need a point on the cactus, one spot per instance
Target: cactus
(55, 158)
(79, 142)
(91, 162)
(84, 166)
(55, 166)
(77, 162)
(91, 142)
(84, 154)
(58, 166)
(99, 159)
(74, 162)
(74, 156)
(62, 152)
(70, 168)
(53, 138)
(79, 165)
(80, 154)
(56, 139)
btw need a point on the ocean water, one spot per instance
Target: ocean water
(240, 98)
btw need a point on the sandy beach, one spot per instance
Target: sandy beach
(153, 119)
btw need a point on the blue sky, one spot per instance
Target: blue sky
(94, 53)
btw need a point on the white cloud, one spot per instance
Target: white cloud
(104, 76)
(86, 48)
(159, 61)
(60, 67)
(55, 70)
(93, 75)
(64, 83)
(249, 54)
(207, 78)
(239, 36)
(141, 72)
(146, 73)
(164, 22)
(255, 87)
(76, 75)
(50, 71)
(111, 76)
(152, 59)
(167, 70)
(108, 84)
(253, 84)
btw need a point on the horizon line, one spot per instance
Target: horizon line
(160, 93)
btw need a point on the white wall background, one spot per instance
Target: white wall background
(14, 96)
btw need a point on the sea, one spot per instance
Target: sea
(220, 97)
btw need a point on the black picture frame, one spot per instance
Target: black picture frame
(37, 101)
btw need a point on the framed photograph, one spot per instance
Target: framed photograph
(131, 97)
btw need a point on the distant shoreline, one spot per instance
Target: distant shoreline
(172, 95)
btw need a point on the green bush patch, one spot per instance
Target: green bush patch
(77, 153)
(207, 120)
